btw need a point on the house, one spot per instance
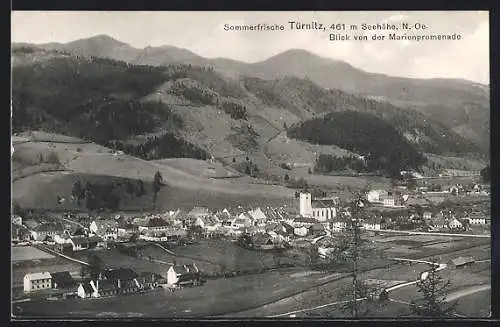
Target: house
(257, 214)
(183, 275)
(462, 261)
(126, 229)
(304, 221)
(37, 281)
(17, 220)
(208, 223)
(301, 231)
(427, 215)
(86, 290)
(113, 285)
(149, 280)
(19, 233)
(372, 224)
(455, 224)
(264, 241)
(154, 225)
(197, 212)
(62, 280)
(79, 243)
(375, 196)
(438, 222)
(477, 220)
(46, 231)
(337, 226)
(317, 229)
(242, 221)
(107, 229)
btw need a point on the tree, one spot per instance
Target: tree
(234, 159)
(245, 240)
(348, 250)
(157, 184)
(411, 184)
(95, 265)
(77, 191)
(433, 288)
(486, 174)
(140, 191)
(287, 178)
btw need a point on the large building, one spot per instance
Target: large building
(37, 281)
(321, 209)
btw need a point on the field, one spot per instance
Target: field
(55, 264)
(23, 253)
(212, 299)
(216, 256)
(285, 289)
(187, 186)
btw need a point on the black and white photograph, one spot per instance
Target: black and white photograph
(245, 164)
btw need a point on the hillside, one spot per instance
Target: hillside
(83, 161)
(183, 111)
(383, 146)
(460, 105)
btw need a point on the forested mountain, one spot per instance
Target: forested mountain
(184, 110)
(460, 105)
(382, 146)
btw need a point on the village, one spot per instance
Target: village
(73, 236)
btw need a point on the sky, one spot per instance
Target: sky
(204, 34)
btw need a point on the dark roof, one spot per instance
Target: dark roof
(260, 239)
(79, 240)
(317, 227)
(106, 285)
(62, 278)
(120, 273)
(49, 227)
(305, 220)
(87, 287)
(185, 269)
(156, 222)
(462, 261)
(323, 203)
(94, 238)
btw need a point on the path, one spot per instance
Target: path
(46, 249)
(467, 291)
(430, 233)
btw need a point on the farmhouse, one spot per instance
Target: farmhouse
(462, 261)
(257, 214)
(154, 225)
(17, 220)
(62, 280)
(242, 221)
(198, 212)
(126, 229)
(301, 231)
(46, 231)
(37, 281)
(107, 229)
(375, 196)
(455, 224)
(183, 275)
(208, 223)
(372, 224)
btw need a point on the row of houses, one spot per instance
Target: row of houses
(112, 282)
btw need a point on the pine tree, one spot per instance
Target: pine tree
(433, 289)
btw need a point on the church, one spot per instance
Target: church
(322, 209)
